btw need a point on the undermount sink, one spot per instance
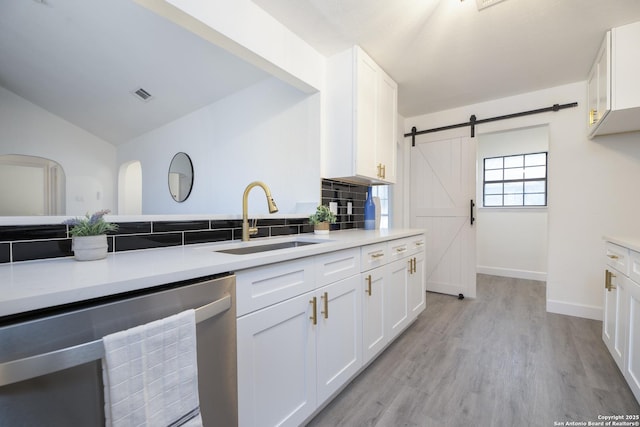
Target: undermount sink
(244, 250)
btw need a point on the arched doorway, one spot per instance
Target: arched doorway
(130, 188)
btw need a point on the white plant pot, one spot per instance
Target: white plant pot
(321, 228)
(89, 248)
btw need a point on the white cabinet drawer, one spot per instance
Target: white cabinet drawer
(417, 244)
(398, 249)
(372, 256)
(336, 266)
(617, 257)
(634, 266)
(263, 286)
(404, 247)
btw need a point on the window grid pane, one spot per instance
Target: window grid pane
(494, 175)
(514, 162)
(515, 180)
(493, 163)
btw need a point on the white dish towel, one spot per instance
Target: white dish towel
(150, 374)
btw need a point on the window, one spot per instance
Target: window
(382, 191)
(519, 180)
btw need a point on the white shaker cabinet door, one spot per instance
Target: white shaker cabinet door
(277, 364)
(417, 286)
(374, 335)
(339, 334)
(632, 369)
(366, 99)
(613, 326)
(396, 307)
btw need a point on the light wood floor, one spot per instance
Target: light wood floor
(498, 360)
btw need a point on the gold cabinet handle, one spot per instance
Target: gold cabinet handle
(412, 265)
(613, 256)
(400, 250)
(325, 297)
(379, 174)
(377, 255)
(419, 243)
(314, 310)
(607, 281)
(593, 116)
(384, 171)
(415, 268)
(368, 290)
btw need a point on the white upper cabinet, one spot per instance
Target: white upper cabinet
(361, 111)
(613, 85)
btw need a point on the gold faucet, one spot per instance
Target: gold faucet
(250, 231)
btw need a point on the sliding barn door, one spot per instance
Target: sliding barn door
(443, 177)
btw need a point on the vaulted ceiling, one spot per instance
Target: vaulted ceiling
(81, 59)
(448, 53)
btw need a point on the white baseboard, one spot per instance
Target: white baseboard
(510, 272)
(576, 310)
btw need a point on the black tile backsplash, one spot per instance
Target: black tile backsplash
(226, 223)
(160, 226)
(41, 249)
(208, 236)
(5, 252)
(32, 242)
(133, 227)
(32, 232)
(133, 242)
(284, 230)
(343, 193)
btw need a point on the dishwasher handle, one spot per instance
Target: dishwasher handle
(57, 360)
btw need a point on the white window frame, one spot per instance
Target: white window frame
(518, 174)
(382, 192)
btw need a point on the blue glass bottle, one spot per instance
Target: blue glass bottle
(369, 211)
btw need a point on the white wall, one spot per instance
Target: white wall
(89, 162)
(269, 132)
(511, 242)
(591, 189)
(247, 31)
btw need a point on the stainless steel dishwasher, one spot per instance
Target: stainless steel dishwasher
(50, 360)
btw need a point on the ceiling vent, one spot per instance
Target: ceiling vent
(142, 95)
(483, 4)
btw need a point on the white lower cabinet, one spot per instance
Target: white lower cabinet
(374, 334)
(396, 303)
(621, 318)
(295, 354)
(277, 364)
(416, 290)
(614, 319)
(394, 291)
(632, 365)
(339, 335)
(336, 313)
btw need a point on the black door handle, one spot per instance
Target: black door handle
(471, 205)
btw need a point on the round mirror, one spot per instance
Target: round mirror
(180, 177)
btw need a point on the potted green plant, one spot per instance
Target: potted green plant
(88, 235)
(321, 220)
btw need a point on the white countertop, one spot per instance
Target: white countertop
(33, 285)
(628, 242)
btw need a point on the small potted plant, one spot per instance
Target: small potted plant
(88, 236)
(321, 220)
